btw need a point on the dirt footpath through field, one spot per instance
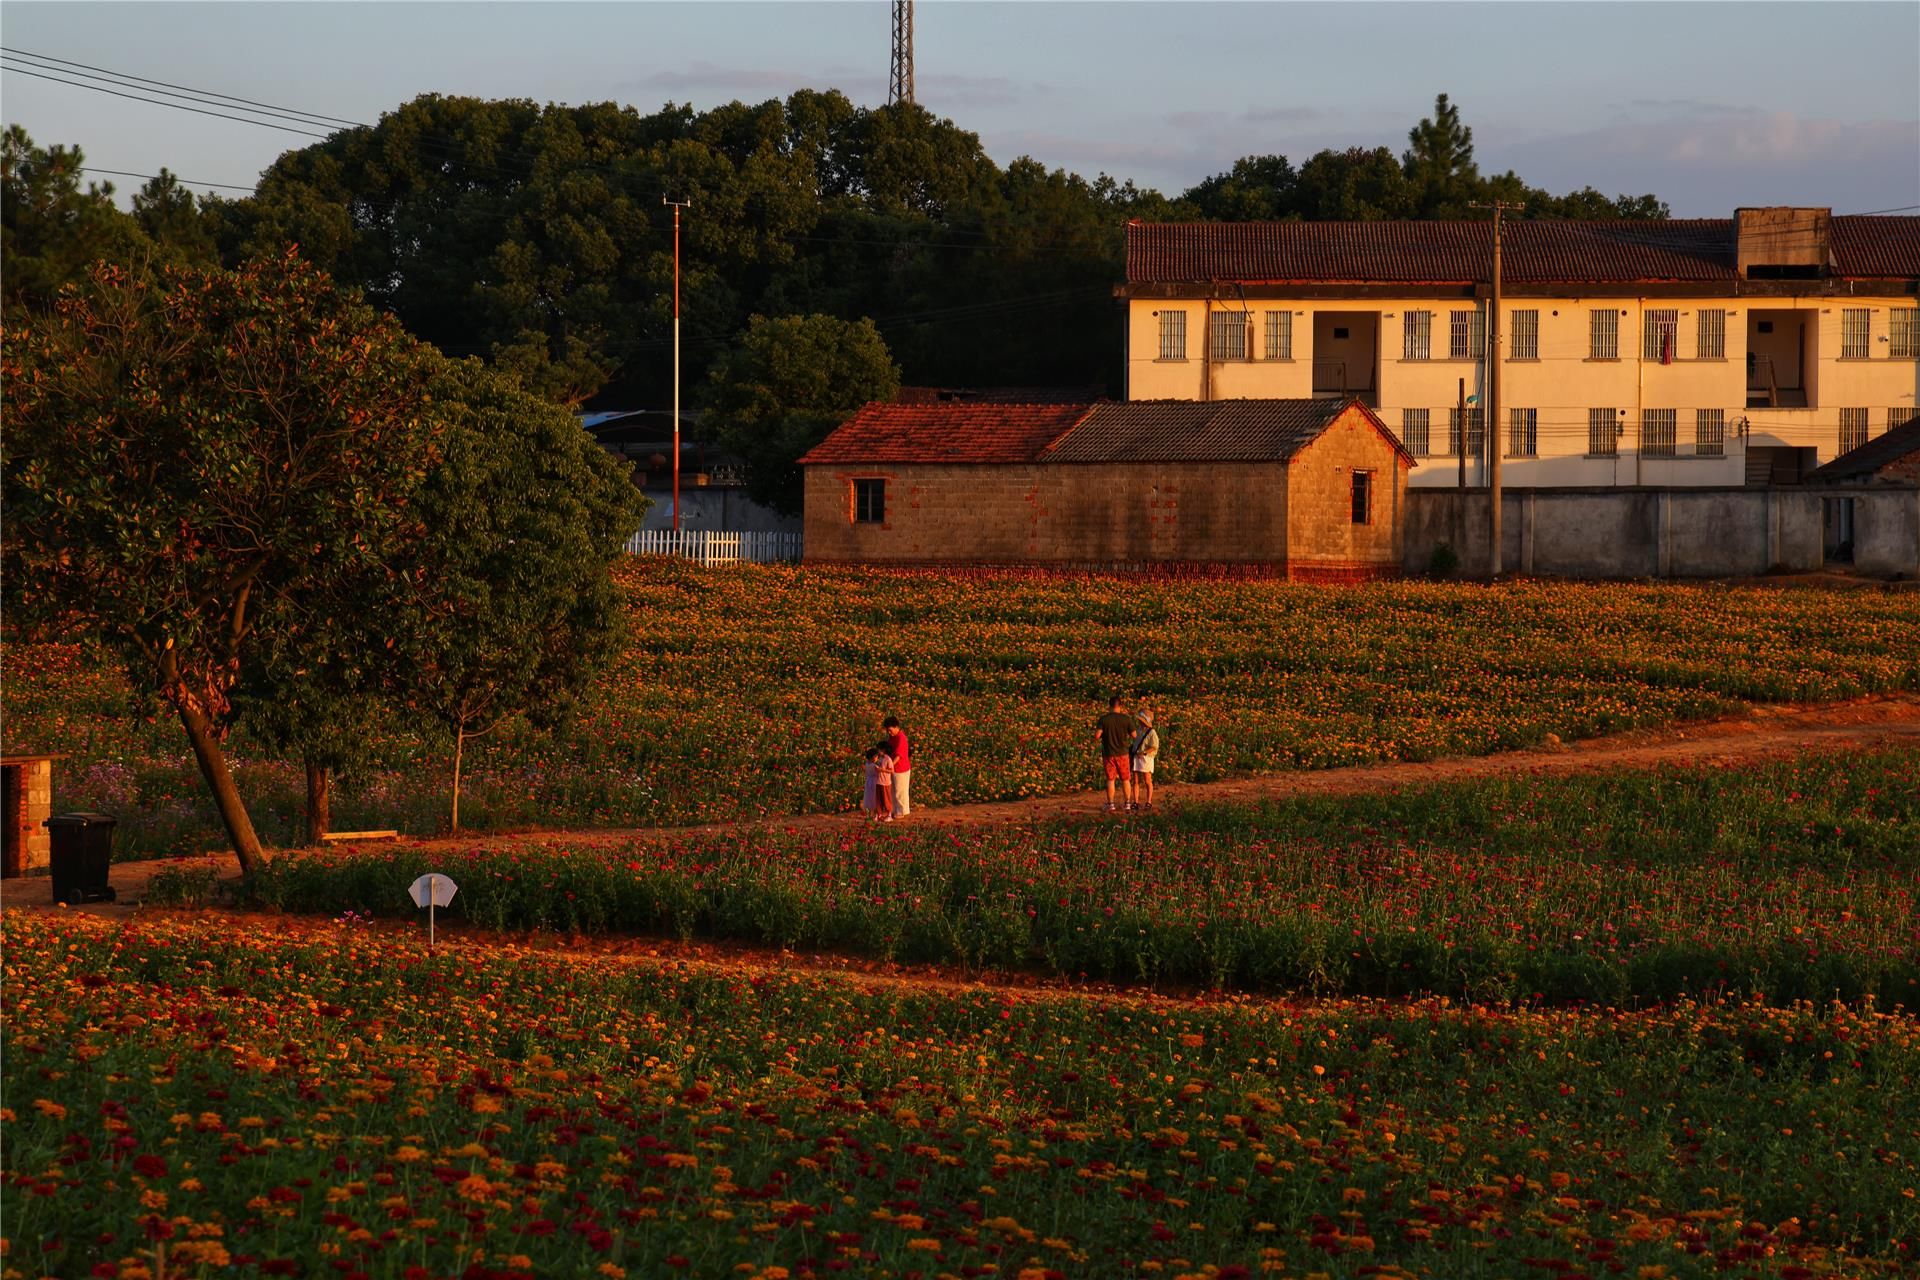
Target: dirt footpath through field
(1763, 732)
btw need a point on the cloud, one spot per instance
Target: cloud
(1720, 159)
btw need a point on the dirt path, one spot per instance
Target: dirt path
(1766, 732)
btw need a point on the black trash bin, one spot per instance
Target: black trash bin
(82, 851)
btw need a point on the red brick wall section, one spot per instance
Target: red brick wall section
(1320, 498)
(1080, 514)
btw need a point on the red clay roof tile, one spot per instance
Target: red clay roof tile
(946, 433)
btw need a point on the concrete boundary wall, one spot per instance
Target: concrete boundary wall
(1664, 533)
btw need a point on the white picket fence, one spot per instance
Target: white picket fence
(713, 547)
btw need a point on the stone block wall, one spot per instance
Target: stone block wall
(29, 803)
(1320, 526)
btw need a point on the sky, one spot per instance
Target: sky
(1708, 105)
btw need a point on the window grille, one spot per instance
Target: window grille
(1603, 433)
(1855, 324)
(1853, 429)
(1523, 432)
(1710, 341)
(1901, 417)
(1604, 335)
(1467, 335)
(1279, 335)
(1173, 335)
(1363, 497)
(1417, 331)
(1903, 332)
(1657, 430)
(1230, 335)
(1710, 432)
(869, 501)
(1476, 432)
(1659, 335)
(1414, 425)
(1526, 335)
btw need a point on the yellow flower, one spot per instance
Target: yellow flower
(474, 1187)
(51, 1110)
(924, 1245)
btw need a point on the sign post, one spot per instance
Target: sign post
(432, 891)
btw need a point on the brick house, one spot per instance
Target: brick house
(1299, 488)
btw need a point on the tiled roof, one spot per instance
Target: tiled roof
(1877, 246)
(965, 432)
(1858, 464)
(1200, 431)
(1534, 252)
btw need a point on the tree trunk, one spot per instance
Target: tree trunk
(459, 741)
(319, 802)
(226, 796)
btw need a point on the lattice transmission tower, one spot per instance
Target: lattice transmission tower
(900, 85)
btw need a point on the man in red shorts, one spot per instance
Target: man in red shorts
(1115, 731)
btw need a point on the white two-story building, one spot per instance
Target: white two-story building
(1690, 352)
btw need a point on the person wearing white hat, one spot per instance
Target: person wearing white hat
(1146, 745)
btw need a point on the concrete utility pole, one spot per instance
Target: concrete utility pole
(1493, 390)
(900, 85)
(678, 205)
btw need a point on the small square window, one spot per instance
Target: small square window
(869, 501)
(1765, 326)
(1363, 497)
(1339, 332)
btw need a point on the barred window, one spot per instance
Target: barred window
(1855, 324)
(1603, 433)
(1710, 432)
(1604, 335)
(1417, 335)
(1526, 335)
(1657, 430)
(1659, 335)
(1523, 432)
(1173, 335)
(1414, 424)
(1903, 331)
(1230, 335)
(1853, 429)
(1279, 335)
(1900, 417)
(1476, 432)
(1467, 336)
(1710, 341)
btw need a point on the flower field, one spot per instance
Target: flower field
(1787, 881)
(749, 690)
(185, 1099)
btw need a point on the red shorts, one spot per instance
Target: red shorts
(1119, 768)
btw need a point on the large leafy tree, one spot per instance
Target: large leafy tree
(789, 382)
(506, 607)
(198, 457)
(52, 228)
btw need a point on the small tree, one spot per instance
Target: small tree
(506, 607)
(790, 382)
(199, 454)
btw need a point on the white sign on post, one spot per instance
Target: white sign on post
(431, 891)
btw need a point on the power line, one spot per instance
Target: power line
(205, 93)
(161, 102)
(155, 177)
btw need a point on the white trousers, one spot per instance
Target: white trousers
(901, 808)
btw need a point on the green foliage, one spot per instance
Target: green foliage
(1444, 560)
(51, 231)
(1552, 889)
(505, 607)
(200, 457)
(789, 382)
(1439, 163)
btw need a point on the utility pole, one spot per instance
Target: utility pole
(1493, 389)
(900, 84)
(678, 205)
(1460, 416)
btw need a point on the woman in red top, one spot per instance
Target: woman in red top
(896, 739)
